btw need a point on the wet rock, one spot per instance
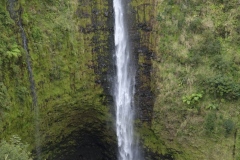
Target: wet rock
(144, 27)
(106, 14)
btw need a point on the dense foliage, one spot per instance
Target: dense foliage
(14, 150)
(64, 66)
(196, 78)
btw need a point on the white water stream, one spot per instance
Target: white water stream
(124, 87)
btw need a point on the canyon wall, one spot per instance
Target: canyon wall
(187, 81)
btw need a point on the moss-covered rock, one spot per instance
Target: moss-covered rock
(195, 40)
(180, 48)
(66, 41)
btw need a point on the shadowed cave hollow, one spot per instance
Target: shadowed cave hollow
(85, 144)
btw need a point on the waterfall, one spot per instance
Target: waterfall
(33, 90)
(124, 87)
(16, 16)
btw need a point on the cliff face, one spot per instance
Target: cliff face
(68, 43)
(196, 77)
(143, 34)
(188, 78)
(187, 83)
(143, 48)
(70, 46)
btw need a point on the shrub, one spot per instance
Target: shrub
(221, 31)
(25, 18)
(21, 93)
(210, 46)
(210, 122)
(196, 26)
(223, 66)
(194, 58)
(222, 87)
(192, 99)
(14, 52)
(212, 107)
(228, 126)
(14, 150)
(36, 33)
(4, 97)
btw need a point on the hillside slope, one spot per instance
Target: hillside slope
(196, 81)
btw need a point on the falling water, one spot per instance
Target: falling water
(33, 91)
(16, 16)
(124, 87)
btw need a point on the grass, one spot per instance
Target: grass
(178, 72)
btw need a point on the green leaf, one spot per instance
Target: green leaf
(196, 98)
(16, 50)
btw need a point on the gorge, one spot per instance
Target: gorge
(59, 80)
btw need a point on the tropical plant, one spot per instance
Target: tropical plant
(14, 150)
(212, 107)
(13, 52)
(192, 99)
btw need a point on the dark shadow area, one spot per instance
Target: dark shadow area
(84, 145)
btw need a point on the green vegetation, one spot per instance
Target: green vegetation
(192, 99)
(14, 150)
(210, 122)
(222, 87)
(64, 64)
(212, 107)
(197, 50)
(228, 125)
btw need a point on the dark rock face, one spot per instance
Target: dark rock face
(101, 42)
(144, 95)
(141, 18)
(140, 37)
